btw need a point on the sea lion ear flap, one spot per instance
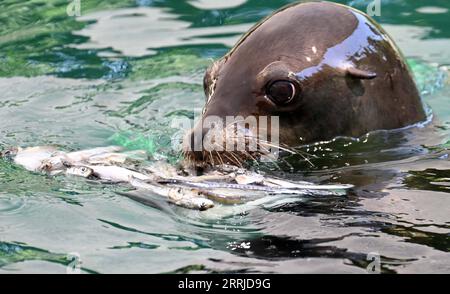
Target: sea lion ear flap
(360, 74)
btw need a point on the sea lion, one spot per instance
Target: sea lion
(323, 69)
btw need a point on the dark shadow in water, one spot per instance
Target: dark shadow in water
(283, 248)
(324, 205)
(374, 147)
(136, 245)
(169, 237)
(11, 253)
(437, 241)
(429, 179)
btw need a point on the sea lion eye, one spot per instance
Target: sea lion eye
(281, 92)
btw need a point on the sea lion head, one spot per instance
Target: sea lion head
(307, 73)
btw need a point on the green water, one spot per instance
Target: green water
(123, 70)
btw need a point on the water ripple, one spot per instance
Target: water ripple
(10, 204)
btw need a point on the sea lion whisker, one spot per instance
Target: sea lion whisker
(235, 122)
(248, 154)
(292, 152)
(279, 146)
(220, 158)
(237, 159)
(267, 143)
(304, 152)
(211, 157)
(230, 159)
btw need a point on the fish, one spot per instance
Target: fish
(273, 182)
(108, 173)
(209, 177)
(246, 179)
(229, 186)
(179, 179)
(54, 163)
(232, 196)
(84, 155)
(162, 169)
(268, 201)
(185, 197)
(99, 155)
(81, 171)
(309, 189)
(108, 158)
(31, 158)
(51, 160)
(242, 185)
(238, 175)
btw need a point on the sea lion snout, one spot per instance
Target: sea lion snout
(192, 145)
(232, 140)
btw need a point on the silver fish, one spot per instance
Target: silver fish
(271, 182)
(31, 158)
(232, 196)
(227, 186)
(185, 197)
(100, 155)
(90, 157)
(311, 190)
(54, 163)
(108, 158)
(114, 174)
(84, 155)
(268, 201)
(246, 179)
(80, 171)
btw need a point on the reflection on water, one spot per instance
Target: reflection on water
(220, 4)
(122, 31)
(123, 70)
